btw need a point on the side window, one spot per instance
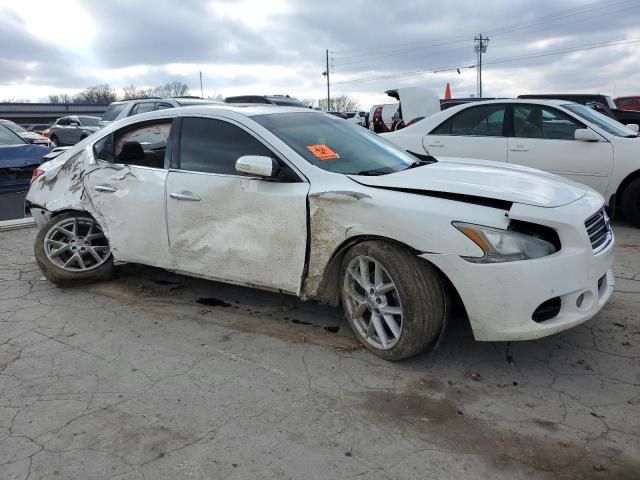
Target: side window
(486, 121)
(534, 121)
(625, 102)
(213, 146)
(143, 108)
(164, 106)
(62, 122)
(143, 146)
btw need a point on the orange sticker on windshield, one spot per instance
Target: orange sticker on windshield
(322, 152)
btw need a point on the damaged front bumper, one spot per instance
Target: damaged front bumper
(530, 299)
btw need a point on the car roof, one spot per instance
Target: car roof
(540, 101)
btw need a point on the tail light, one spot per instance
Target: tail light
(36, 173)
(45, 133)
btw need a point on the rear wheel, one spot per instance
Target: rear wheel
(55, 141)
(630, 202)
(394, 302)
(72, 248)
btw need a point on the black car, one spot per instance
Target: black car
(601, 103)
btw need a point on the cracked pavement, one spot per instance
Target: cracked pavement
(160, 376)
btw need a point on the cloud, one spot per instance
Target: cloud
(252, 46)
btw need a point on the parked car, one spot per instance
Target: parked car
(70, 130)
(127, 108)
(627, 103)
(300, 202)
(382, 118)
(27, 136)
(414, 104)
(18, 160)
(358, 118)
(564, 138)
(281, 100)
(601, 103)
(40, 128)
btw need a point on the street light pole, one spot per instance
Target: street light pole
(326, 74)
(480, 47)
(201, 90)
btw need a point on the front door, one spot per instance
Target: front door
(228, 226)
(475, 132)
(544, 138)
(127, 191)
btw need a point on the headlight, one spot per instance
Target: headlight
(504, 245)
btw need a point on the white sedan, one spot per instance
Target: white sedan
(299, 202)
(560, 137)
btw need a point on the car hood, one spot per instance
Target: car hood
(480, 178)
(33, 136)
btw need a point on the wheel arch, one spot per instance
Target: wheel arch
(329, 289)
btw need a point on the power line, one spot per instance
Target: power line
(492, 62)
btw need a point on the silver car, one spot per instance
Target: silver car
(70, 130)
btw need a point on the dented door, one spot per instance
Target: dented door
(129, 201)
(237, 229)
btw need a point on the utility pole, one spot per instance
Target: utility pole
(480, 47)
(201, 90)
(326, 74)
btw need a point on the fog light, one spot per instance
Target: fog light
(579, 300)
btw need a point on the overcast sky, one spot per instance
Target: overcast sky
(278, 46)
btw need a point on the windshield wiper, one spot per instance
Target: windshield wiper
(371, 173)
(418, 163)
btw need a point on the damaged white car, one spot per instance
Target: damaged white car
(300, 202)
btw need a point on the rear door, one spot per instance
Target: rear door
(128, 191)
(233, 227)
(544, 138)
(475, 132)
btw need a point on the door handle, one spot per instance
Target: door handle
(519, 148)
(184, 196)
(105, 188)
(435, 145)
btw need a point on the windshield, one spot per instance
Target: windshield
(14, 127)
(334, 145)
(609, 125)
(89, 121)
(7, 137)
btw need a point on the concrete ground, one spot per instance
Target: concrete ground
(160, 376)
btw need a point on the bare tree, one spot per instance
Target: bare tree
(172, 89)
(97, 95)
(132, 92)
(342, 103)
(59, 98)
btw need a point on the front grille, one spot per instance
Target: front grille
(599, 230)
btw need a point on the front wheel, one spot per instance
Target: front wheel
(395, 303)
(631, 202)
(55, 141)
(72, 248)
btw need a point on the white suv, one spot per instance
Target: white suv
(557, 136)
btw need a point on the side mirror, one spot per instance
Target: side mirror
(257, 166)
(633, 126)
(586, 135)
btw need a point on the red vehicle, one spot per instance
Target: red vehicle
(627, 103)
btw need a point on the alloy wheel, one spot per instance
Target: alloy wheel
(77, 244)
(373, 302)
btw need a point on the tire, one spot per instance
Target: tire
(418, 292)
(55, 141)
(88, 237)
(630, 202)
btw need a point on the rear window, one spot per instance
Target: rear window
(112, 112)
